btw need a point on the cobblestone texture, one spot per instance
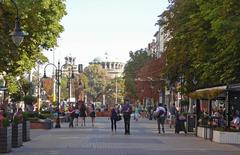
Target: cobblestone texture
(99, 140)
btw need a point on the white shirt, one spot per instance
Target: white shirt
(161, 108)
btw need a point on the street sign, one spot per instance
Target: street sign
(2, 88)
(191, 122)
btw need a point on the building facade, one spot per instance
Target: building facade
(151, 87)
(156, 47)
(70, 64)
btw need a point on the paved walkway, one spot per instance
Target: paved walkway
(99, 140)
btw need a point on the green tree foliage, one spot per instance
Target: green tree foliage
(137, 60)
(112, 85)
(97, 82)
(21, 89)
(41, 20)
(203, 44)
(64, 85)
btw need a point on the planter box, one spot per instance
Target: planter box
(204, 132)
(103, 114)
(226, 137)
(42, 124)
(17, 140)
(26, 131)
(5, 139)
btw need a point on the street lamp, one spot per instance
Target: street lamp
(58, 74)
(69, 77)
(17, 34)
(39, 87)
(116, 91)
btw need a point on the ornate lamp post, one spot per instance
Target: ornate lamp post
(70, 76)
(17, 34)
(58, 74)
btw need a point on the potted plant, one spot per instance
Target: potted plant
(226, 135)
(26, 127)
(17, 130)
(5, 135)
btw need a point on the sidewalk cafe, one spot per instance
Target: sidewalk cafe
(217, 110)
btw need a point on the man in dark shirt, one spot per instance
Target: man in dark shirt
(127, 110)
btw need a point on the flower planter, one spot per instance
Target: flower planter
(204, 132)
(5, 139)
(42, 124)
(17, 140)
(26, 131)
(103, 114)
(226, 137)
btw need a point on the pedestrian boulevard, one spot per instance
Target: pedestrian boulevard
(144, 140)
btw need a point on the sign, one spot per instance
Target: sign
(2, 88)
(191, 122)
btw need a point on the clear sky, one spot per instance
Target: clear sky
(93, 27)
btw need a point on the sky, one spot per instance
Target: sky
(94, 27)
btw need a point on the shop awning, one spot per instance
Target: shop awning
(234, 87)
(208, 93)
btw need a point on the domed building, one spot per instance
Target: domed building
(113, 66)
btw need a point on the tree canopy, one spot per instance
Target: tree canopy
(112, 85)
(203, 43)
(41, 20)
(97, 81)
(137, 60)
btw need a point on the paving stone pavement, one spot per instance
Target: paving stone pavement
(99, 140)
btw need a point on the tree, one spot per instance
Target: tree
(97, 81)
(203, 42)
(22, 90)
(137, 60)
(111, 90)
(47, 85)
(64, 87)
(41, 20)
(80, 84)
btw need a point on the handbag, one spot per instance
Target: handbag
(119, 117)
(92, 114)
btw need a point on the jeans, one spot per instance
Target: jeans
(127, 123)
(160, 121)
(71, 122)
(114, 124)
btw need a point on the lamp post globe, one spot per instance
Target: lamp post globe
(17, 34)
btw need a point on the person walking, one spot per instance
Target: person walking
(180, 123)
(160, 116)
(77, 113)
(136, 113)
(92, 114)
(166, 111)
(173, 112)
(113, 117)
(71, 112)
(127, 110)
(83, 111)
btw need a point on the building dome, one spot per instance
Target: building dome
(98, 60)
(105, 58)
(113, 66)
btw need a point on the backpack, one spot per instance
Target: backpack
(158, 113)
(161, 112)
